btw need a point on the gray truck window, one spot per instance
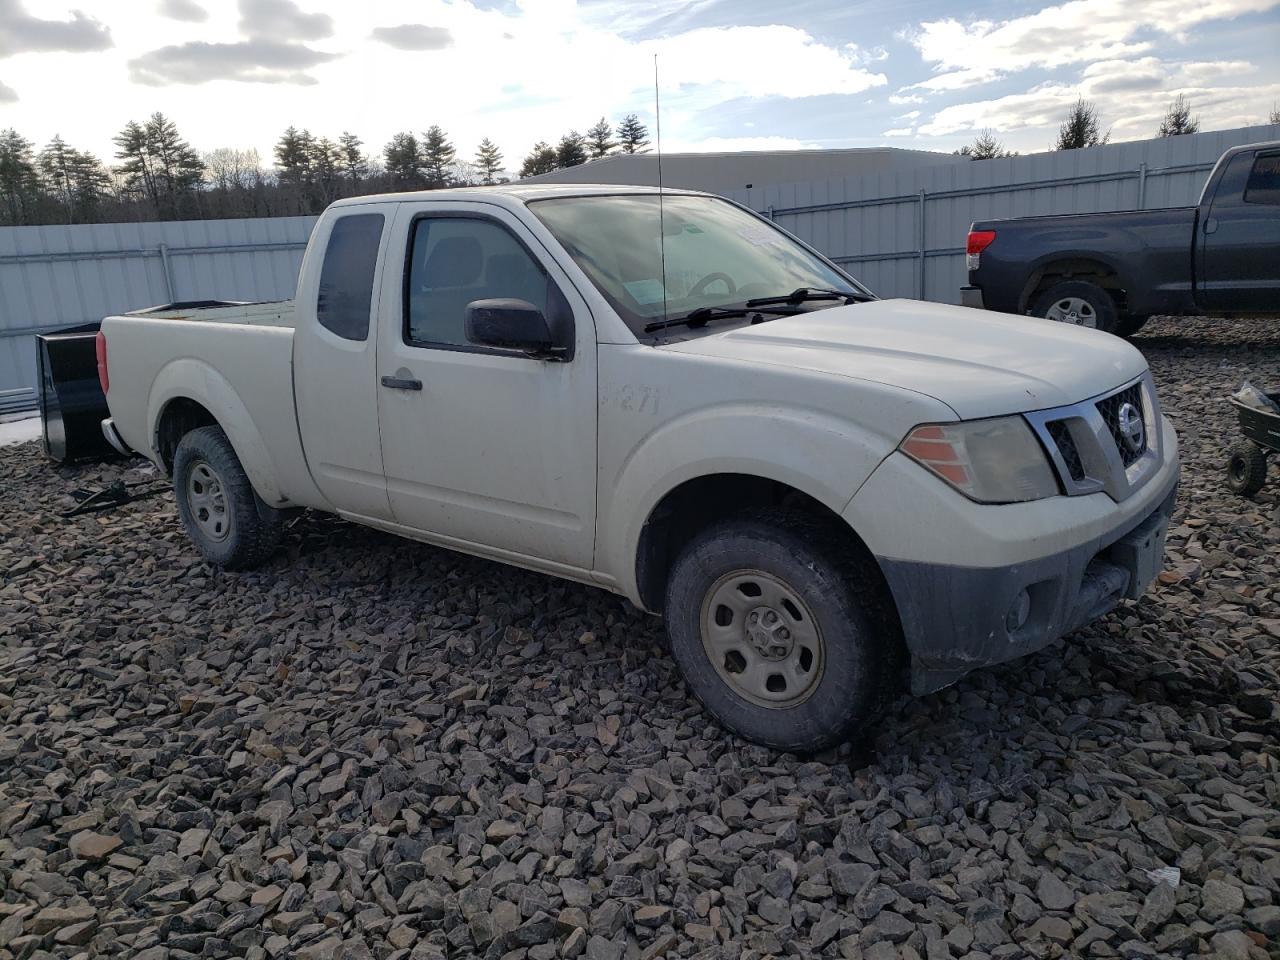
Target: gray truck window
(1264, 181)
(455, 260)
(346, 276)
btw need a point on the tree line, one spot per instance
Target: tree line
(159, 175)
(1083, 128)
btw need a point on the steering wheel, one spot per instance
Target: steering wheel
(710, 278)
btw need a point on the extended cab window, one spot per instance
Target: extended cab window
(346, 276)
(455, 260)
(1264, 181)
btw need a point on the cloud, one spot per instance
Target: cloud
(899, 99)
(899, 132)
(1078, 31)
(1112, 85)
(8, 94)
(20, 32)
(909, 115)
(414, 36)
(249, 61)
(271, 19)
(187, 10)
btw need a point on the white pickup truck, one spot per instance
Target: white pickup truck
(666, 396)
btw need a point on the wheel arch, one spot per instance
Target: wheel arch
(1086, 267)
(187, 394)
(699, 502)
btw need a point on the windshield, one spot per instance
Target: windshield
(716, 254)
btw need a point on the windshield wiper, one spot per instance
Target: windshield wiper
(701, 316)
(802, 294)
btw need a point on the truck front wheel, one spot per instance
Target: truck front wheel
(225, 519)
(778, 632)
(1080, 302)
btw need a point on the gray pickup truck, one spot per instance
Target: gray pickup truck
(1112, 271)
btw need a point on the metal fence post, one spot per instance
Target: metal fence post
(768, 211)
(168, 272)
(920, 270)
(1142, 185)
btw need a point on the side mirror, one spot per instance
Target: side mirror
(511, 325)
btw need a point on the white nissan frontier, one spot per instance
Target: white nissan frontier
(663, 394)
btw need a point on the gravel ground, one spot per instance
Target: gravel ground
(373, 748)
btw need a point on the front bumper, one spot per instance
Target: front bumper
(956, 618)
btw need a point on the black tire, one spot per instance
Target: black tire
(1087, 301)
(859, 639)
(1246, 468)
(1128, 326)
(210, 485)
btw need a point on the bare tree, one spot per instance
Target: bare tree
(985, 146)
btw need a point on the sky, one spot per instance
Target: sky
(733, 74)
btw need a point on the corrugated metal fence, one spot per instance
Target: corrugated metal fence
(59, 276)
(903, 233)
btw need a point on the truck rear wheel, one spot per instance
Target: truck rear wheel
(778, 631)
(1079, 302)
(225, 519)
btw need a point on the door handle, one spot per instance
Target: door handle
(402, 383)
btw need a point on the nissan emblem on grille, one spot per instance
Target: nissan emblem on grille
(1132, 429)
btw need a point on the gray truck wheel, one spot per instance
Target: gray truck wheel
(1080, 302)
(778, 632)
(225, 519)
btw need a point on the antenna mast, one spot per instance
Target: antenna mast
(662, 234)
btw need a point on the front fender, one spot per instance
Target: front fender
(815, 452)
(192, 379)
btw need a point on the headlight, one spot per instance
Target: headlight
(991, 461)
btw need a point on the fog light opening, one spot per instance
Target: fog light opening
(1018, 613)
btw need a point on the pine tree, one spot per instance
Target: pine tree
(19, 183)
(600, 139)
(488, 160)
(1275, 114)
(159, 165)
(633, 136)
(985, 146)
(294, 153)
(572, 150)
(437, 155)
(1178, 119)
(326, 173)
(1080, 129)
(76, 181)
(354, 165)
(403, 160)
(541, 159)
(178, 167)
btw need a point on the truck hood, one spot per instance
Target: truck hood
(979, 363)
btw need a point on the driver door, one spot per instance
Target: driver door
(484, 448)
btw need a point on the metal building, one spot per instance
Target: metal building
(727, 172)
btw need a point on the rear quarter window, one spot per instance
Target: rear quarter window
(1263, 185)
(346, 275)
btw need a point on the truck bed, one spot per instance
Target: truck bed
(235, 360)
(266, 313)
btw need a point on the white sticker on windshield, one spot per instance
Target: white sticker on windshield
(645, 292)
(759, 235)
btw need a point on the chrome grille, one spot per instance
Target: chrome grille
(1066, 444)
(1087, 443)
(1109, 407)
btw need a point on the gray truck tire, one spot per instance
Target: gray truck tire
(780, 633)
(225, 519)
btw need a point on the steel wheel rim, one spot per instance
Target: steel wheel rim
(762, 639)
(207, 500)
(1073, 310)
